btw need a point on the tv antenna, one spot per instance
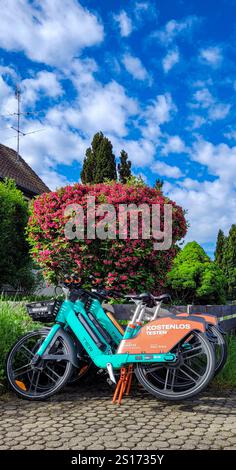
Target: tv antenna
(18, 128)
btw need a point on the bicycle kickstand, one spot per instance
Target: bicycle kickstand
(124, 384)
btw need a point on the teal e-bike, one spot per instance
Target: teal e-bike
(42, 362)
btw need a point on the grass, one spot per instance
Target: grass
(227, 377)
(14, 322)
(23, 298)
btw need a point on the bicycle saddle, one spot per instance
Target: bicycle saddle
(163, 297)
(146, 298)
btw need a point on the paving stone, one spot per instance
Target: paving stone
(84, 418)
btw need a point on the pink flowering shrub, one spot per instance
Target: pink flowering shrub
(122, 265)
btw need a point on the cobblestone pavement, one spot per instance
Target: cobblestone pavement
(83, 417)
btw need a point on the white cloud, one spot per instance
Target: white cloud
(203, 99)
(161, 109)
(219, 159)
(124, 22)
(135, 67)
(196, 121)
(141, 151)
(48, 31)
(211, 204)
(45, 83)
(174, 144)
(8, 71)
(157, 113)
(231, 133)
(145, 10)
(102, 107)
(211, 56)
(54, 179)
(4, 90)
(219, 111)
(163, 169)
(174, 28)
(7, 98)
(171, 59)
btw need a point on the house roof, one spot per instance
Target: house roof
(17, 168)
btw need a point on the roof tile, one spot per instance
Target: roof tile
(20, 171)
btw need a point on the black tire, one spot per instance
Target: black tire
(32, 383)
(221, 349)
(179, 387)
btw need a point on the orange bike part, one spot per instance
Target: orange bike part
(160, 336)
(129, 379)
(109, 314)
(119, 385)
(209, 318)
(20, 385)
(124, 384)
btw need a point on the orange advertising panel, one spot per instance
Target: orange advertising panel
(160, 336)
(211, 319)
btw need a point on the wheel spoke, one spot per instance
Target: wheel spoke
(166, 379)
(37, 381)
(189, 376)
(173, 379)
(192, 370)
(196, 348)
(22, 367)
(53, 371)
(153, 369)
(50, 377)
(27, 350)
(32, 379)
(22, 370)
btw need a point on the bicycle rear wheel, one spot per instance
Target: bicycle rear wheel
(191, 375)
(220, 348)
(41, 381)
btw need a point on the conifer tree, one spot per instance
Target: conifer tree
(99, 162)
(229, 262)
(105, 160)
(124, 167)
(88, 170)
(159, 184)
(220, 245)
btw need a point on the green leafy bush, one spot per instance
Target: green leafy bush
(14, 322)
(194, 278)
(15, 262)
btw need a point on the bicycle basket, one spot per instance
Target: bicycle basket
(44, 311)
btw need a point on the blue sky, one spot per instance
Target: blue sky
(157, 77)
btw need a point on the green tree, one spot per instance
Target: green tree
(15, 264)
(88, 170)
(194, 278)
(229, 262)
(99, 163)
(220, 246)
(159, 184)
(124, 167)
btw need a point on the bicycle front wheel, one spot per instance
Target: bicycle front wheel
(190, 376)
(47, 377)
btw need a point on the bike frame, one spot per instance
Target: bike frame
(78, 322)
(109, 323)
